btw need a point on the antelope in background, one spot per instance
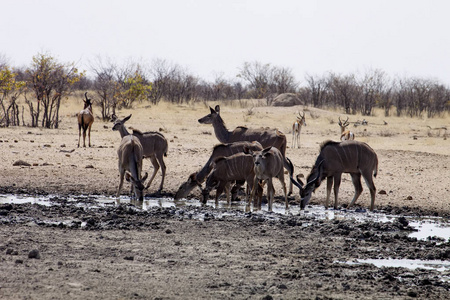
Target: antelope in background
(346, 135)
(266, 137)
(130, 154)
(220, 150)
(85, 120)
(154, 146)
(269, 163)
(296, 128)
(335, 158)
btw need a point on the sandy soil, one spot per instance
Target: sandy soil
(168, 253)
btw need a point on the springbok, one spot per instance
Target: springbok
(224, 150)
(346, 135)
(238, 167)
(296, 129)
(269, 163)
(266, 137)
(130, 154)
(154, 145)
(335, 158)
(85, 120)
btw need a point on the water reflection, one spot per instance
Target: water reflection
(427, 227)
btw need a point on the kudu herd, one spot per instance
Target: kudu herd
(251, 156)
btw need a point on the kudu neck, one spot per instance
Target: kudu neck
(221, 131)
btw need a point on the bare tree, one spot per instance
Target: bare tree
(317, 89)
(50, 81)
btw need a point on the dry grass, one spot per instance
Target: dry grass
(402, 133)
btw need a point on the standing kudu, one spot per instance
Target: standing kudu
(130, 155)
(269, 163)
(346, 135)
(335, 158)
(220, 150)
(85, 120)
(154, 145)
(296, 129)
(266, 137)
(226, 170)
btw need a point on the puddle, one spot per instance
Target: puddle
(412, 264)
(427, 228)
(430, 228)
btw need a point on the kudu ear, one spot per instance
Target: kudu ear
(127, 118)
(128, 176)
(246, 150)
(113, 118)
(217, 108)
(145, 177)
(266, 150)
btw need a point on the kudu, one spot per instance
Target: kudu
(269, 163)
(296, 129)
(154, 146)
(266, 137)
(220, 150)
(335, 158)
(225, 170)
(85, 120)
(130, 155)
(346, 135)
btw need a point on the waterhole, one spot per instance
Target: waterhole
(427, 227)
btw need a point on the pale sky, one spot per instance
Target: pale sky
(407, 38)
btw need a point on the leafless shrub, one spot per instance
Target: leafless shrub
(387, 133)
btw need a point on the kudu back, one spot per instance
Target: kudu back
(224, 150)
(353, 157)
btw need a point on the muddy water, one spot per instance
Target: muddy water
(428, 227)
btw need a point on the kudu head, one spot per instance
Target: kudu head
(343, 125)
(188, 186)
(138, 185)
(301, 119)
(118, 122)
(87, 102)
(313, 182)
(209, 118)
(260, 158)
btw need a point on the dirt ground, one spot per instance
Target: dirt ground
(75, 250)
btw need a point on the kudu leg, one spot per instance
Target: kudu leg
(122, 174)
(283, 185)
(270, 194)
(369, 181)
(356, 179)
(329, 186)
(163, 170)
(337, 184)
(155, 170)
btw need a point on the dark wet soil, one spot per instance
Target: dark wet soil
(78, 251)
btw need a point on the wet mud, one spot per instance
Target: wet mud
(79, 249)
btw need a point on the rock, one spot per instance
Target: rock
(21, 163)
(34, 254)
(287, 99)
